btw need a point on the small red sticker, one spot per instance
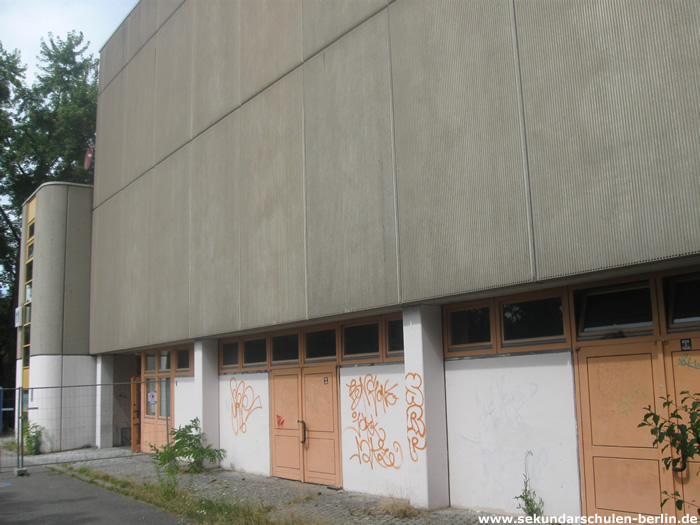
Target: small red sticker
(280, 421)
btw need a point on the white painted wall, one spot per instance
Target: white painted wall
(498, 410)
(374, 444)
(186, 402)
(244, 421)
(64, 410)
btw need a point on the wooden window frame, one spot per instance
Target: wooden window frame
(383, 356)
(489, 348)
(320, 328)
(499, 346)
(666, 297)
(558, 342)
(262, 365)
(287, 362)
(601, 290)
(230, 368)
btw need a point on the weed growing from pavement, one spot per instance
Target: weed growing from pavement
(304, 498)
(398, 508)
(201, 510)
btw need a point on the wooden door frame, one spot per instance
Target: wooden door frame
(301, 371)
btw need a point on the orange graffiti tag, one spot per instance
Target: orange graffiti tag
(415, 424)
(244, 403)
(368, 395)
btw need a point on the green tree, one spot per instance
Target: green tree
(45, 130)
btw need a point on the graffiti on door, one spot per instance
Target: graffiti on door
(370, 401)
(243, 403)
(415, 425)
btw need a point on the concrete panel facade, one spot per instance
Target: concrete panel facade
(49, 270)
(111, 115)
(107, 276)
(113, 56)
(270, 42)
(459, 160)
(168, 248)
(215, 230)
(610, 106)
(272, 205)
(142, 24)
(216, 68)
(324, 21)
(76, 292)
(138, 156)
(350, 213)
(173, 105)
(166, 8)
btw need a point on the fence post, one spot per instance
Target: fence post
(19, 425)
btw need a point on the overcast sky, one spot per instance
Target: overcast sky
(23, 23)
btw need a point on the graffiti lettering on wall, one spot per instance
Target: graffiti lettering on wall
(634, 399)
(370, 400)
(415, 424)
(687, 361)
(243, 403)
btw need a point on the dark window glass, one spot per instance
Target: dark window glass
(28, 313)
(150, 362)
(617, 310)
(229, 354)
(183, 359)
(361, 340)
(30, 251)
(685, 300)
(254, 352)
(533, 319)
(30, 271)
(151, 399)
(31, 231)
(320, 344)
(285, 347)
(165, 360)
(470, 326)
(164, 397)
(395, 336)
(25, 357)
(27, 334)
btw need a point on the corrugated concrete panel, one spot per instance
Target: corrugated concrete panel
(139, 113)
(215, 230)
(107, 276)
(351, 236)
(142, 24)
(133, 313)
(611, 106)
(166, 8)
(216, 61)
(113, 56)
(169, 248)
(173, 101)
(109, 164)
(76, 295)
(463, 222)
(272, 206)
(270, 42)
(326, 20)
(49, 270)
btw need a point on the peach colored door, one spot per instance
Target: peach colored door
(622, 471)
(685, 368)
(304, 422)
(156, 412)
(320, 410)
(286, 453)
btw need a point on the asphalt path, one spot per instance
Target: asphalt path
(47, 497)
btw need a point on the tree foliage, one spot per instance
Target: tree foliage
(45, 130)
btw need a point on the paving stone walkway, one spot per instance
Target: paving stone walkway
(303, 502)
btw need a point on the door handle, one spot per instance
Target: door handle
(303, 430)
(683, 465)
